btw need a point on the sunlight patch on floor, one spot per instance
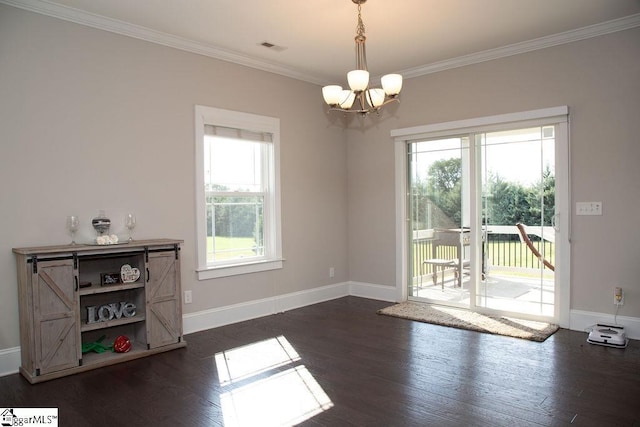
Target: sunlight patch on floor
(253, 359)
(267, 385)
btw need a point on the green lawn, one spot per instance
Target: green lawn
(231, 247)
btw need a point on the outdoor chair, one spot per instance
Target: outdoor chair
(527, 241)
(446, 254)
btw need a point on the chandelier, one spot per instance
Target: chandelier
(368, 99)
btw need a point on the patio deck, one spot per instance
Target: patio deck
(504, 289)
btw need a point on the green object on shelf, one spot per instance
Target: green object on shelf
(96, 346)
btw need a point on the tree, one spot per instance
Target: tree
(444, 187)
(437, 200)
(508, 203)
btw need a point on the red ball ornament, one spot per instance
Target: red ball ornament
(122, 344)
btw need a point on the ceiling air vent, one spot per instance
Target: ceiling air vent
(273, 47)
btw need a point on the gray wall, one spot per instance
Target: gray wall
(599, 79)
(91, 120)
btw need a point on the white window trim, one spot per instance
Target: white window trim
(233, 119)
(546, 116)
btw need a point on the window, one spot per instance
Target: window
(237, 185)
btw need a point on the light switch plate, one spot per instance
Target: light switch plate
(589, 208)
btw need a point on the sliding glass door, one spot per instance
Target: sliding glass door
(481, 215)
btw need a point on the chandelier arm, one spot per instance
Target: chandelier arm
(389, 101)
(361, 53)
(362, 100)
(365, 111)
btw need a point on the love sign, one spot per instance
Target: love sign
(111, 311)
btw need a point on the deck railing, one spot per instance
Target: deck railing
(504, 249)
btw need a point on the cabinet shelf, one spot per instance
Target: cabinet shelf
(92, 358)
(98, 289)
(111, 323)
(93, 361)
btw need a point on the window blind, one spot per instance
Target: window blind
(244, 134)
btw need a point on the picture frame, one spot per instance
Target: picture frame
(107, 279)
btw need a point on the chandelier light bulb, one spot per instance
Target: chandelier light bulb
(392, 84)
(375, 97)
(332, 94)
(348, 98)
(358, 80)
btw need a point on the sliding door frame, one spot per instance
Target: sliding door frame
(558, 116)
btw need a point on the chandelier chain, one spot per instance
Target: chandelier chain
(361, 52)
(360, 27)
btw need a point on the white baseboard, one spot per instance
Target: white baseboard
(9, 361)
(581, 320)
(213, 318)
(369, 290)
(207, 319)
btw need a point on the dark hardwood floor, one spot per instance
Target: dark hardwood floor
(338, 363)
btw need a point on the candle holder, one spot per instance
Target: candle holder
(130, 221)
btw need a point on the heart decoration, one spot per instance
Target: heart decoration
(129, 274)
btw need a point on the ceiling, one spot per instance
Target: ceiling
(314, 39)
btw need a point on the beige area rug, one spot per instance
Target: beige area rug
(464, 319)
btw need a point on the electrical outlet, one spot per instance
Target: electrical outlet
(332, 272)
(188, 297)
(618, 296)
(589, 208)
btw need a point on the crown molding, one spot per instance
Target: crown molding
(88, 19)
(571, 36)
(77, 16)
